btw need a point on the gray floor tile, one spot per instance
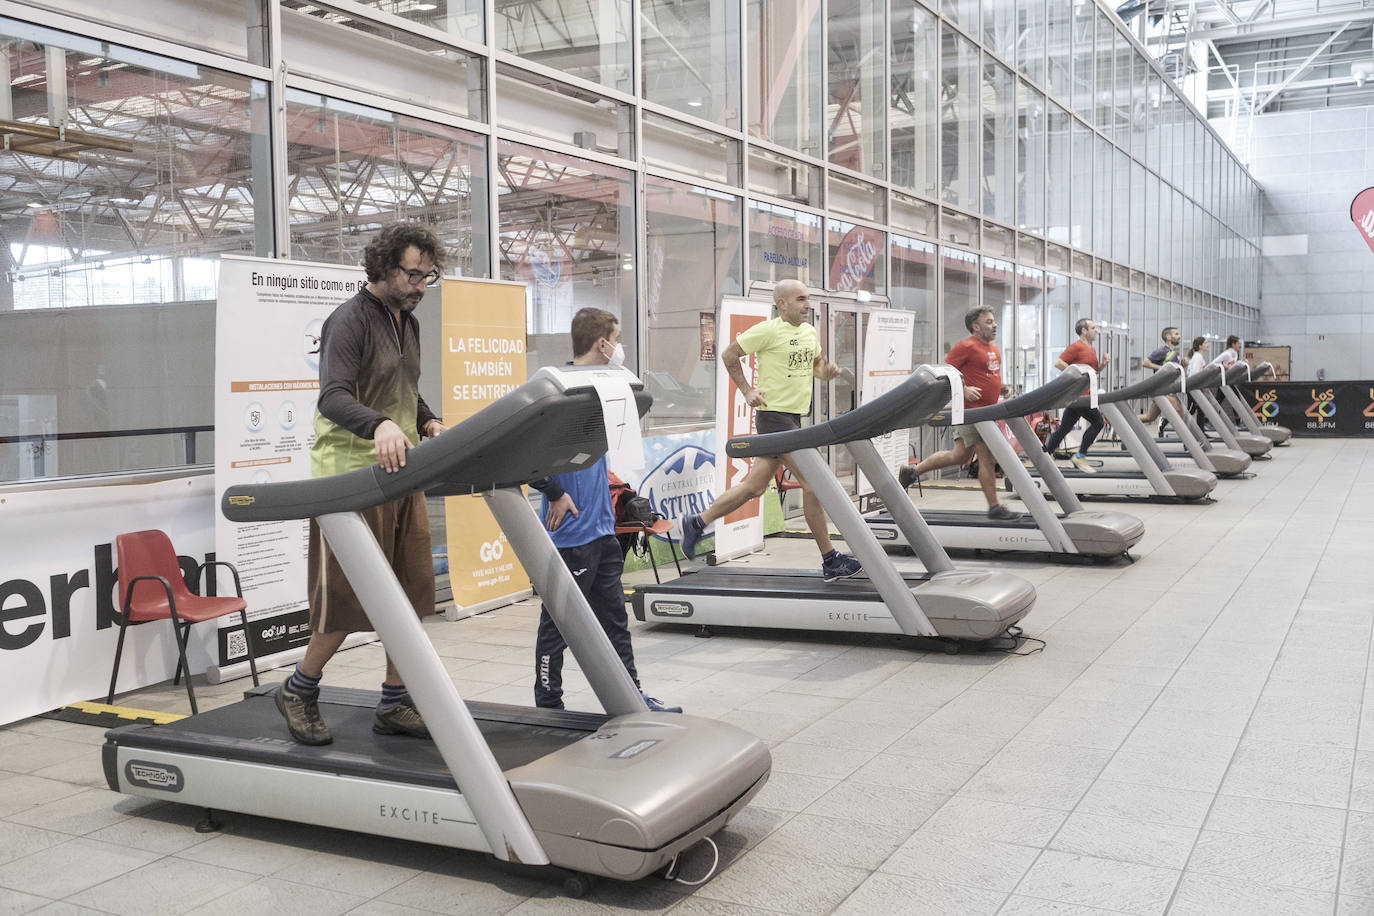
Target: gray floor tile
(1091, 881)
(1346, 905)
(19, 840)
(1014, 786)
(272, 897)
(1286, 771)
(874, 804)
(784, 884)
(1264, 860)
(818, 760)
(1357, 867)
(792, 791)
(1277, 820)
(1141, 842)
(978, 818)
(1155, 804)
(884, 894)
(470, 891)
(941, 777)
(837, 841)
(1211, 895)
(49, 872)
(961, 860)
(12, 903)
(161, 888)
(1020, 905)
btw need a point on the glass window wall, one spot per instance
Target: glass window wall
(784, 73)
(693, 252)
(1058, 176)
(690, 59)
(126, 175)
(961, 110)
(352, 170)
(567, 233)
(856, 100)
(962, 290)
(1030, 308)
(999, 142)
(784, 243)
(1032, 174)
(590, 41)
(913, 116)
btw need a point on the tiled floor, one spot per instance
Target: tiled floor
(1197, 738)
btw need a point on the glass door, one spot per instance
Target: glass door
(842, 336)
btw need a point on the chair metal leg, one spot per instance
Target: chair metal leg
(649, 550)
(252, 663)
(672, 552)
(181, 635)
(119, 649)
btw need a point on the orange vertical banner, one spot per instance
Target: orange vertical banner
(483, 359)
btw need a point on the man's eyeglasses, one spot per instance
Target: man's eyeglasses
(416, 278)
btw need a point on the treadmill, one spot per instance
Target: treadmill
(619, 794)
(941, 604)
(1154, 478)
(1200, 388)
(1190, 447)
(1078, 532)
(1279, 435)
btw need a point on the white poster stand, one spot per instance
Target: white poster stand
(267, 344)
(887, 361)
(741, 531)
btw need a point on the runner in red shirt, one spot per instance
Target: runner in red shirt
(1079, 353)
(979, 361)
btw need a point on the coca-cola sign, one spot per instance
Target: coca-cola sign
(1362, 215)
(854, 259)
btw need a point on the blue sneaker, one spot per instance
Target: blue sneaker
(840, 566)
(692, 531)
(657, 705)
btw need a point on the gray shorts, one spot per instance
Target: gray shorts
(969, 433)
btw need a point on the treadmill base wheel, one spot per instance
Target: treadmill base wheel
(578, 885)
(703, 632)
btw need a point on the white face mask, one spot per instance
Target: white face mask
(617, 357)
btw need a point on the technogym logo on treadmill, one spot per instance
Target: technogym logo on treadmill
(670, 608)
(148, 775)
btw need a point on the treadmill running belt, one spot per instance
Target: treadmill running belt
(964, 519)
(766, 584)
(253, 731)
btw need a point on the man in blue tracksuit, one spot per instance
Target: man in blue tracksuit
(577, 511)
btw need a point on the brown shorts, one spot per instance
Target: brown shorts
(402, 530)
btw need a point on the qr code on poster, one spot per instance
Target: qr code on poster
(236, 646)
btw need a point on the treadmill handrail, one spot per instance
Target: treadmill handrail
(535, 431)
(1060, 391)
(918, 396)
(1148, 387)
(1239, 372)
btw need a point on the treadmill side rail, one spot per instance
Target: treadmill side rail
(395, 809)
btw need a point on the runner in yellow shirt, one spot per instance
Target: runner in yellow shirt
(789, 357)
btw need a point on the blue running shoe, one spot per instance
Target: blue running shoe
(692, 531)
(840, 566)
(657, 705)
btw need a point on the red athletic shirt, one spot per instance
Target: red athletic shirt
(980, 364)
(1080, 353)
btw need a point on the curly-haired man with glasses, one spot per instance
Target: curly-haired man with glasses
(370, 412)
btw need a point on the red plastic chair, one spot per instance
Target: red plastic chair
(641, 532)
(153, 588)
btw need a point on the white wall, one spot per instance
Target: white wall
(1317, 285)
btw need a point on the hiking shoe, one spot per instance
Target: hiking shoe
(692, 531)
(840, 566)
(302, 715)
(401, 719)
(906, 476)
(657, 705)
(1002, 514)
(1083, 464)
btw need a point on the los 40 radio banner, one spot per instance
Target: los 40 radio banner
(267, 379)
(1314, 408)
(484, 359)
